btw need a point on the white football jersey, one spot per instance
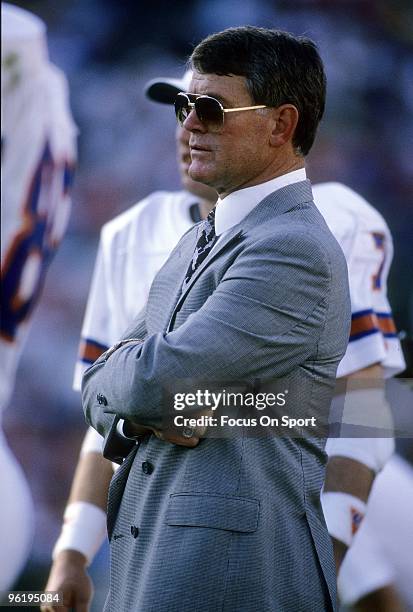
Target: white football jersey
(367, 244)
(38, 140)
(132, 249)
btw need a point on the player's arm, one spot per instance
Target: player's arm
(354, 462)
(373, 353)
(84, 527)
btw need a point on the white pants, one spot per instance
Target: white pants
(16, 517)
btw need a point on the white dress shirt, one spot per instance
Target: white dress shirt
(236, 206)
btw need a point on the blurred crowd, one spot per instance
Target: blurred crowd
(108, 51)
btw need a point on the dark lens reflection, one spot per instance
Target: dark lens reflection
(182, 108)
(209, 112)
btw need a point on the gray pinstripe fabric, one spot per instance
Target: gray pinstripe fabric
(233, 525)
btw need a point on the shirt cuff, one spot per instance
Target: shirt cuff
(119, 429)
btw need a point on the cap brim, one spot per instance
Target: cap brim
(164, 90)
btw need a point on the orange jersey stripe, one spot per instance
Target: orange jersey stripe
(386, 325)
(366, 322)
(90, 351)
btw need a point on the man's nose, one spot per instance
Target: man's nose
(193, 124)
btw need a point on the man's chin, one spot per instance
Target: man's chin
(200, 174)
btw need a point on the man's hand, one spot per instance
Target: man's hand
(188, 437)
(69, 576)
(177, 438)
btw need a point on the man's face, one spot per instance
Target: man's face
(183, 154)
(239, 154)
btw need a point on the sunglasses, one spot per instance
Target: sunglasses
(208, 110)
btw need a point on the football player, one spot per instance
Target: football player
(38, 141)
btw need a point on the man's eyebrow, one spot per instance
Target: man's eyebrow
(224, 101)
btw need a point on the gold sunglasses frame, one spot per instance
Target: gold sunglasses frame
(191, 105)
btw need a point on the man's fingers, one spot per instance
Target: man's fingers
(180, 440)
(176, 438)
(183, 436)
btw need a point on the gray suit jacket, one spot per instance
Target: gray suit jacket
(234, 524)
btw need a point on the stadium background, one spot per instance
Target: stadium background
(108, 50)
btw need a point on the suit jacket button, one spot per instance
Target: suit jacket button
(147, 467)
(134, 531)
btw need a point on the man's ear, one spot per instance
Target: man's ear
(286, 119)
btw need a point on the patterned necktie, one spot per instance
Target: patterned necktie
(205, 243)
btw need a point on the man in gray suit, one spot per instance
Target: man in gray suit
(257, 292)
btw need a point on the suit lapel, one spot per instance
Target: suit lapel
(234, 235)
(276, 203)
(182, 257)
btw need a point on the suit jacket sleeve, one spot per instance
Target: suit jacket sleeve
(115, 446)
(263, 319)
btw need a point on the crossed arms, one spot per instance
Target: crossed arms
(263, 320)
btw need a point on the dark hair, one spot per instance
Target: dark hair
(279, 68)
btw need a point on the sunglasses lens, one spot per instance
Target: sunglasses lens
(182, 108)
(210, 112)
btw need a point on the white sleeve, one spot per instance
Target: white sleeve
(373, 336)
(365, 568)
(92, 442)
(96, 329)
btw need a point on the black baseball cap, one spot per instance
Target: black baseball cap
(165, 90)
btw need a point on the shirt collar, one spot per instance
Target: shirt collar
(236, 206)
